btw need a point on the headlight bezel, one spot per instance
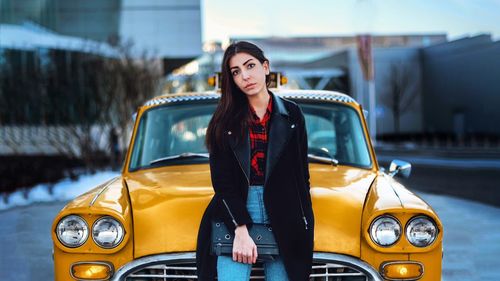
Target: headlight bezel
(385, 216)
(433, 223)
(86, 231)
(123, 232)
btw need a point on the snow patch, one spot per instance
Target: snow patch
(64, 190)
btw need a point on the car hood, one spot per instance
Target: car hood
(168, 204)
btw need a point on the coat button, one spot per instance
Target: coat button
(293, 126)
(229, 132)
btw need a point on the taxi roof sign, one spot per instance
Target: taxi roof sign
(276, 79)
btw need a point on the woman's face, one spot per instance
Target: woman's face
(248, 73)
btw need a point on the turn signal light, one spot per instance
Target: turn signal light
(91, 271)
(283, 80)
(211, 81)
(402, 270)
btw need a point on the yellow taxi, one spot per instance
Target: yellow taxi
(143, 224)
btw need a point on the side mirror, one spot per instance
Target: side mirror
(400, 167)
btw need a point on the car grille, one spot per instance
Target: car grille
(187, 271)
(184, 271)
(326, 267)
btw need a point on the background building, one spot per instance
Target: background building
(168, 29)
(426, 89)
(461, 89)
(91, 19)
(37, 36)
(73, 72)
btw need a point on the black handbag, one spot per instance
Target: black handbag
(262, 235)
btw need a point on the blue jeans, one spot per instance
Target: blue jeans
(229, 270)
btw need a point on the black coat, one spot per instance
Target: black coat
(286, 192)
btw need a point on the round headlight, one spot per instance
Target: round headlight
(421, 231)
(107, 232)
(385, 231)
(72, 231)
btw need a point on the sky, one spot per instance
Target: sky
(262, 18)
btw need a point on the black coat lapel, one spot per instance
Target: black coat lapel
(241, 149)
(280, 131)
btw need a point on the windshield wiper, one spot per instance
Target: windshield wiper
(179, 156)
(326, 160)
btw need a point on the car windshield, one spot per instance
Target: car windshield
(175, 134)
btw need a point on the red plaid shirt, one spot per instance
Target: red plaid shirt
(258, 144)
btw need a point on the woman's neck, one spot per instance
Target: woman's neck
(259, 102)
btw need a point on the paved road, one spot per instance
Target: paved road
(26, 245)
(471, 240)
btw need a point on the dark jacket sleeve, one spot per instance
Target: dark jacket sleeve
(225, 183)
(304, 148)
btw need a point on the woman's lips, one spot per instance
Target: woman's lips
(249, 85)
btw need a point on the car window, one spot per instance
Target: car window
(334, 130)
(171, 130)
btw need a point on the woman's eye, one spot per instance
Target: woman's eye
(251, 65)
(235, 72)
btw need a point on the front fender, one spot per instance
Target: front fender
(108, 199)
(387, 196)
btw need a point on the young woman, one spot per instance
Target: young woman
(257, 142)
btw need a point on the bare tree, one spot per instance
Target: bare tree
(77, 99)
(128, 82)
(401, 91)
(118, 86)
(67, 102)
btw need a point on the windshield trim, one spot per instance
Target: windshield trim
(177, 162)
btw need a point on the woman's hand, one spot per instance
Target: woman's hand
(244, 248)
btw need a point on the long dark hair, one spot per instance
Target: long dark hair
(232, 112)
